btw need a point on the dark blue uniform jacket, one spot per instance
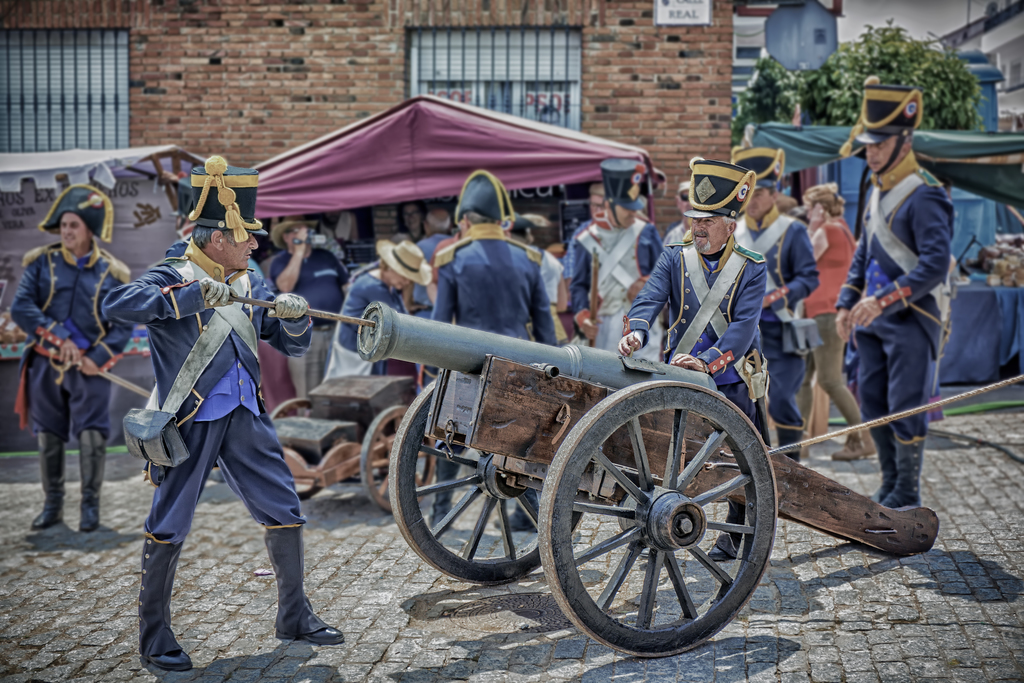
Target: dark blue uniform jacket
(790, 261)
(670, 282)
(174, 313)
(924, 222)
(55, 290)
(488, 282)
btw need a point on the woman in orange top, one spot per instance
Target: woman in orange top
(833, 250)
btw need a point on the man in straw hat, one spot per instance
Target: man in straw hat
(713, 287)
(792, 275)
(627, 248)
(401, 265)
(317, 276)
(488, 282)
(69, 342)
(893, 303)
(208, 377)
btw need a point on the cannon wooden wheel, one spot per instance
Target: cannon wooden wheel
(374, 458)
(292, 405)
(305, 486)
(608, 577)
(463, 545)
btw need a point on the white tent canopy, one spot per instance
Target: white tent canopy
(81, 165)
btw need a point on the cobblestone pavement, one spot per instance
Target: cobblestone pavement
(825, 611)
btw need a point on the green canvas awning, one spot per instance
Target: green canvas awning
(990, 165)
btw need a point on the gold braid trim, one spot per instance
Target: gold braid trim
(215, 167)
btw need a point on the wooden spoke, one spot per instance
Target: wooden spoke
(643, 467)
(448, 485)
(676, 446)
(608, 545)
(619, 575)
(722, 490)
(731, 528)
(645, 613)
(712, 566)
(379, 464)
(528, 508)
(693, 467)
(619, 475)
(453, 514)
(607, 510)
(679, 584)
(382, 489)
(506, 532)
(478, 531)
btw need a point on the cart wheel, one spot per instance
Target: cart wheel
(306, 480)
(292, 405)
(608, 579)
(374, 457)
(462, 545)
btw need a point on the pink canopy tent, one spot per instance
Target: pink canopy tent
(425, 147)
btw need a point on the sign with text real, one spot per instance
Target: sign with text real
(682, 12)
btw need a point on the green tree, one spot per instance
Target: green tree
(771, 96)
(832, 94)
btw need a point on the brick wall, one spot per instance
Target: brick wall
(251, 80)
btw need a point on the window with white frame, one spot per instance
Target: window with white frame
(63, 89)
(533, 72)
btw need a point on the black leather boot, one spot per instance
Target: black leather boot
(92, 459)
(520, 521)
(787, 436)
(907, 491)
(157, 644)
(295, 618)
(727, 546)
(51, 466)
(885, 444)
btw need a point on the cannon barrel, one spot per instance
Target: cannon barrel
(416, 340)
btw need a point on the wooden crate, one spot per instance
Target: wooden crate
(360, 399)
(312, 437)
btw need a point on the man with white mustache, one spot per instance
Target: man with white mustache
(714, 288)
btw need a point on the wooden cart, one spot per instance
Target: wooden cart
(344, 430)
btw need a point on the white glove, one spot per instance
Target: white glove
(289, 306)
(630, 343)
(215, 293)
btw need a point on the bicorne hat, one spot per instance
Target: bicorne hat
(767, 164)
(622, 179)
(484, 194)
(718, 188)
(886, 110)
(89, 204)
(234, 208)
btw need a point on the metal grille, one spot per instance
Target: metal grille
(63, 90)
(533, 72)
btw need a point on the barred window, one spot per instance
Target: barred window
(63, 89)
(530, 72)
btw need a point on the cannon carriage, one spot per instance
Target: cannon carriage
(634, 462)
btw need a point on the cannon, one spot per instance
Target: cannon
(345, 429)
(634, 462)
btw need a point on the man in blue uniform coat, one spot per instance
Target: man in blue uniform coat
(488, 282)
(713, 287)
(893, 301)
(627, 247)
(70, 342)
(792, 275)
(223, 416)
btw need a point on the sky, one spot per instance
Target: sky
(917, 16)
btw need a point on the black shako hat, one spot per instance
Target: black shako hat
(234, 206)
(484, 194)
(89, 204)
(718, 188)
(886, 110)
(767, 164)
(622, 179)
